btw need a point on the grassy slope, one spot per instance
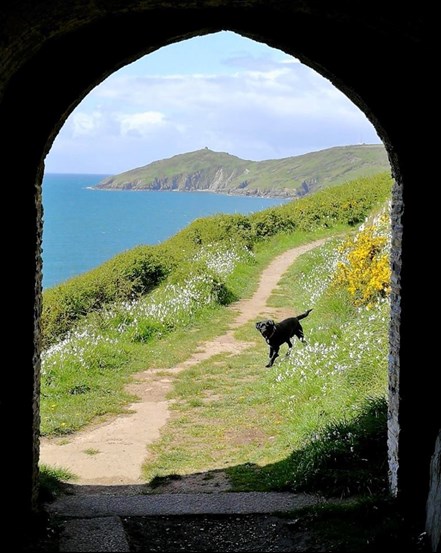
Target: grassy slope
(84, 372)
(231, 413)
(73, 394)
(320, 169)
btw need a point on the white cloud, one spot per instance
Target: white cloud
(84, 124)
(141, 123)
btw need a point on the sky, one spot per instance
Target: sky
(220, 91)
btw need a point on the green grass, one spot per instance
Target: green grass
(344, 459)
(270, 428)
(84, 379)
(52, 481)
(230, 412)
(91, 451)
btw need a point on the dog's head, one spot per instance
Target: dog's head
(266, 328)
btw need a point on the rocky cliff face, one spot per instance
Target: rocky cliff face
(218, 180)
(213, 180)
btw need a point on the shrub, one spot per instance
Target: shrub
(270, 222)
(345, 204)
(216, 229)
(125, 276)
(365, 268)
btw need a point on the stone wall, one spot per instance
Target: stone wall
(37, 336)
(433, 519)
(394, 337)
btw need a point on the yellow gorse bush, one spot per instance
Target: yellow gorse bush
(364, 268)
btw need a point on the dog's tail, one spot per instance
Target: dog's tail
(305, 314)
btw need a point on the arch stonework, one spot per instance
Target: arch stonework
(53, 53)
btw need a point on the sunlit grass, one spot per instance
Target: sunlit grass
(229, 412)
(84, 375)
(232, 413)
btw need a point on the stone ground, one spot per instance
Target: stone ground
(177, 522)
(126, 521)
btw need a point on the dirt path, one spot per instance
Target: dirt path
(112, 453)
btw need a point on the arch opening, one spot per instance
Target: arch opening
(374, 40)
(86, 121)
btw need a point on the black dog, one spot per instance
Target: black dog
(276, 334)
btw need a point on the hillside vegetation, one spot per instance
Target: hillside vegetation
(135, 310)
(316, 420)
(133, 274)
(225, 173)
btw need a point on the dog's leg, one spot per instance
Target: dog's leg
(300, 335)
(271, 361)
(289, 347)
(274, 352)
(270, 357)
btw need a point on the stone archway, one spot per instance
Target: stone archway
(54, 53)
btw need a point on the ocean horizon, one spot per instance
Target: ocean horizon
(84, 227)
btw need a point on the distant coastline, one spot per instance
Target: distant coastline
(234, 193)
(222, 173)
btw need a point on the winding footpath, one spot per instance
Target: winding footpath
(112, 453)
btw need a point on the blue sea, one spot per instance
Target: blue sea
(84, 227)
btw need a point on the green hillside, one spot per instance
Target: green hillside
(224, 173)
(321, 411)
